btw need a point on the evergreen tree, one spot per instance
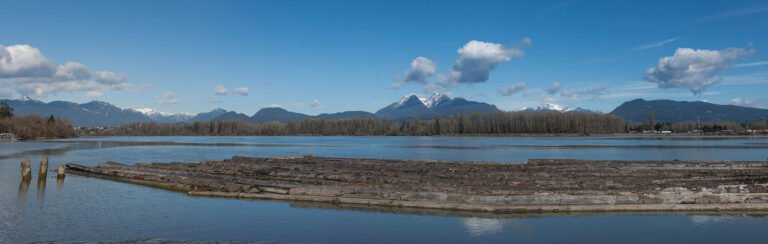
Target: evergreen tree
(6, 111)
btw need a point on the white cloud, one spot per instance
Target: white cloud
(513, 89)
(220, 90)
(477, 59)
(655, 44)
(168, 98)
(695, 69)
(752, 64)
(93, 93)
(315, 103)
(242, 91)
(587, 94)
(19, 61)
(421, 69)
(26, 71)
(554, 88)
(749, 102)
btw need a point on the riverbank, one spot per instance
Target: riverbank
(535, 186)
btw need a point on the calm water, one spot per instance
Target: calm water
(87, 209)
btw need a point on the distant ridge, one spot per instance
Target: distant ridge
(94, 113)
(99, 113)
(676, 111)
(413, 107)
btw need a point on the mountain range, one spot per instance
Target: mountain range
(553, 107)
(676, 111)
(98, 113)
(413, 107)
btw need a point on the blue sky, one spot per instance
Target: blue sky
(319, 56)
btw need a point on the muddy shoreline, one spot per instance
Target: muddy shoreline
(540, 185)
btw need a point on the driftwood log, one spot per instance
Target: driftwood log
(538, 185)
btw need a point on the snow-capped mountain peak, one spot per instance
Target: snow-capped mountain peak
(29, 99)
(547, 107)
(407, 98)
(429, 102)
(435, 100)
(163, 116)
(151, 112)
(554, 106)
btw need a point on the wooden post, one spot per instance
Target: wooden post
(26, 169)
(43, 168)
(60, 171)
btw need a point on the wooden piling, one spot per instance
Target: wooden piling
(60, 171)
(26, 169)
(43, 168)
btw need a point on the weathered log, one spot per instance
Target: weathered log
(539, 185)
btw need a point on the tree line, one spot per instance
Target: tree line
(473, 124)
(33, 126)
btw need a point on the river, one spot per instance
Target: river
(89, 209)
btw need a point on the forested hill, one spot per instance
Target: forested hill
(676, 111)
(497, 123)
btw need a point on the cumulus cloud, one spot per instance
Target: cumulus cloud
(554, 88)
(421, 69)
(26, 71)
(315, 103)
(591, 93)
(168, 98)
(242, 91)
(513, 89)
(738, 101)
(695, 69)
(220, 91)
(476, 60)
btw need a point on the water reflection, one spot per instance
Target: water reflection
(41, 187)
(713, 219)
(59, 182)
(122, 210)
(482, 226)
(24, 188)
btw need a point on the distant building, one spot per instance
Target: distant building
(666, 132)
(8, 137)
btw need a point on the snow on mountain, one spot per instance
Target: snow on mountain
(405, 100)
(549, 107)
(429, 102)
(412, 106)
(435, 100)
(160, 116)
(555, 107)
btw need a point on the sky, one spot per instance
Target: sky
(329, 56)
